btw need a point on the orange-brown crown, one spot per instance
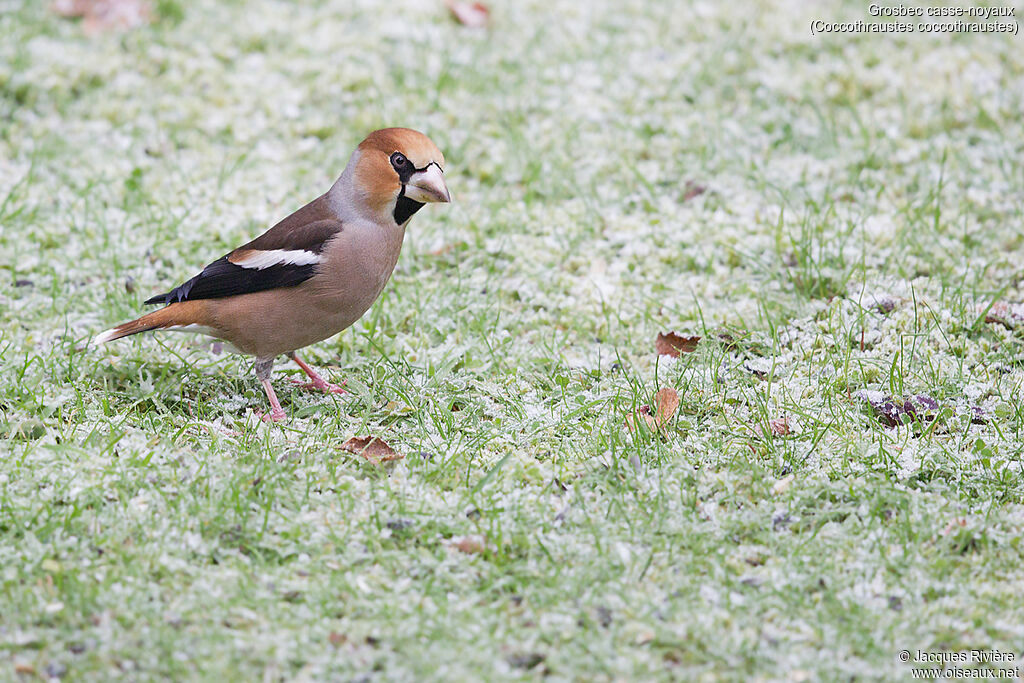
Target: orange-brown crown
(416, 146)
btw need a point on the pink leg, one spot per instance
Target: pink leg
(317, 382)
(276, 413)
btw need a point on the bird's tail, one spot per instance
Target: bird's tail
(176, 316)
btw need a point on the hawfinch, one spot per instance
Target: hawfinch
(317, 271)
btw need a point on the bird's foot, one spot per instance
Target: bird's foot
(316, 381)
(275, 415)
(320, 384)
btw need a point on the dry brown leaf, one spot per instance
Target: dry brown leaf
(1009, 315)
(645, 413)
(373, 449)
(473, 544)
(666, 402)
(525, 660)
(894, 411)
(471, 14)
(779, 426)
(24, 668)
(886, 305)
(673, 344)
(776, 427)
(693, 190)
(106, 15)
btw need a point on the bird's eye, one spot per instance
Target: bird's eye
(399, 161)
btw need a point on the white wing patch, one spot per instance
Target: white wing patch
(258, 260)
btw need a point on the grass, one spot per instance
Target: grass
(862, 211)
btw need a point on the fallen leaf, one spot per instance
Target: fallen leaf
(24, 668)
(891, 411)
(473, 544)
(666, 402)
(471, 14)
(373, 449)
(673, 344)
(1009, 315)
(885, 305)
(778, 427)
(693, 190)
(524, 660)
(398, 525)
(106, 15)
(759, 367)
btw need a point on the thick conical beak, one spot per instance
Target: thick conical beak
(427, 186)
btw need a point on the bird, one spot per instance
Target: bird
(314, 273)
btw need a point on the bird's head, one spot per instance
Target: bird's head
(398, 170)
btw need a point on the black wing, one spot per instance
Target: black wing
(224, 278)
(248, 269)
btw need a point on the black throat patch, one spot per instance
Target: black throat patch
(405, 208)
